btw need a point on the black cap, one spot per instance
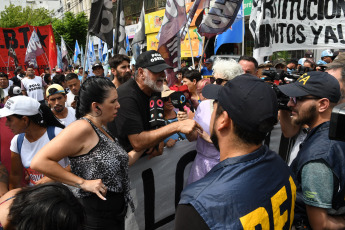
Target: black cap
(153, 61)
(249, 101)
(309, 54)
(315, 83)
(98, 64)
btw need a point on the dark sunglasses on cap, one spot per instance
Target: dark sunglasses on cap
(219, 81)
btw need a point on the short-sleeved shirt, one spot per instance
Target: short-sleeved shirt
(206, 72)
(34, 87)
(29, 150)
(134, 114)
(69, 118)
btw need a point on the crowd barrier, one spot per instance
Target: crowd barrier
(156, 185)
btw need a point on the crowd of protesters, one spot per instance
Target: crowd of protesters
(68, 139)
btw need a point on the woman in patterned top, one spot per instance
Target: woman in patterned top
(99, 165)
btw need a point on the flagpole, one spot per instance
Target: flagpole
(203, 52)
(8, 61)
(3, 60)
(243, 28)
(191, 49)
(86, 50)
(117, 27)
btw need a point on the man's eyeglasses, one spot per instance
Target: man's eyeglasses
(303, 98)
(220, 81)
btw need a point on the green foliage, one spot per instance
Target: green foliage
(71, 27)
(14, 16)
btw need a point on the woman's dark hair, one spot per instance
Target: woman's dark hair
(58, 79)
(93, 89)
(44, 118)
(50, 206)
(46, 78)
(192, 74)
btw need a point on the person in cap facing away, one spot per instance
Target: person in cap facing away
(133, 121)
(14, 91)
(207, 71)
(280, 63)
(319, 165)
(34, 125)
(56, 97)
(250, 183)
(326, 57)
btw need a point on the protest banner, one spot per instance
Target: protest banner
(278, 25)
(18, 38)
(156, 185)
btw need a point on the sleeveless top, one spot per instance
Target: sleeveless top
(107, 161)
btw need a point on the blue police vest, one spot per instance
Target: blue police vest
(245, 192)
(318, 146)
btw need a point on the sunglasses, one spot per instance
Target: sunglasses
(220, 81)
(303, 98)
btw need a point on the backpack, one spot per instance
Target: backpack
(20, 139)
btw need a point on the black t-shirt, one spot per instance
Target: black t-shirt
(134, 114)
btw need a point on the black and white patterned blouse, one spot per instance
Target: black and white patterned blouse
(107, 161)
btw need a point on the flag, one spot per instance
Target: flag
(64, 51)
(12, 54)
(100, 50)
(105, 51)
(219, 18)
(33, 50)
(59, 57)
(233, 34)
(139, 36)
(196, 5)
(127, 45)
(106, 64)
(82, 57)
(122, 32)
(76, 52)
(174, 19)
(101, 24)
(52, 53)
(91, 54)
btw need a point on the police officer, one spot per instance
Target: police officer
(319, 165)
(252, 186)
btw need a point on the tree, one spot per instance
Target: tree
(14, 16)
(71, 27)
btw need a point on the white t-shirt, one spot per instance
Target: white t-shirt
(29, 150)
(10, 83)
(70, 99)
(34, 87)
(70, 117)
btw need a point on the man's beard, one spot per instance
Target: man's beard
(214, 139)
(152, 85)
(123, 78)
(307, 118)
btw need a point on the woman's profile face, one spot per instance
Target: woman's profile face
(15, 124)
(110, 106)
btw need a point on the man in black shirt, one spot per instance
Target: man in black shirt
(133, 127)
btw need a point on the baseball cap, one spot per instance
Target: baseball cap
(20, 105)
(279, 61)
(14, 91)
(166, 91)
(326, 53)
(153, 61)
(98, 64)
(244, 96)
(301, 61)
(58, 70)
(54, 89)
(309, 54)
(209, 60)
(315, 83)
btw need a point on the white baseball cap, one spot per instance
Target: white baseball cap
(20, 105)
